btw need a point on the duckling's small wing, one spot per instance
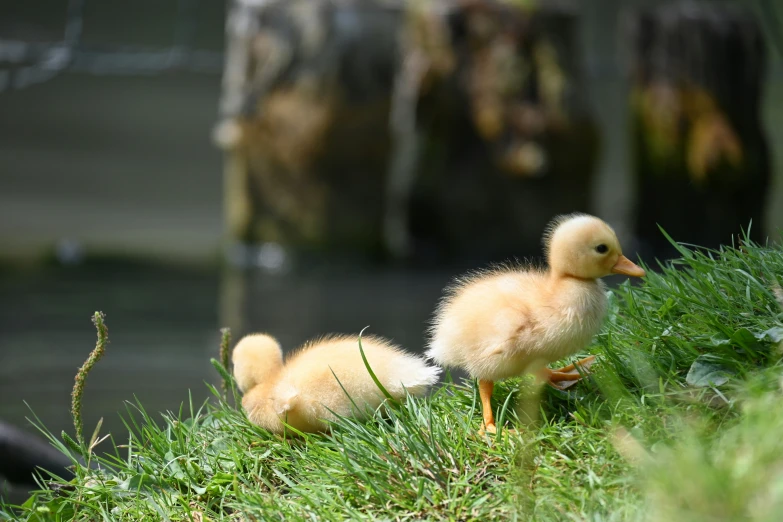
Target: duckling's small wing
(285, 399)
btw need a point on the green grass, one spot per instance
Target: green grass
(681, 420)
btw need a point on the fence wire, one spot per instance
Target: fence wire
(23, 64)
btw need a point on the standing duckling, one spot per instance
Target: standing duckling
(509, 321)
(303, 391)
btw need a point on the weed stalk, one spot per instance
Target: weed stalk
(225, 343)
(81, 375)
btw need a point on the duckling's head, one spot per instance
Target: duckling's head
(257, 359)
(585, 247)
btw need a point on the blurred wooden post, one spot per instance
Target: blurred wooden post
(305, 106)
(700, 155)
(503, 138)
(490, 134)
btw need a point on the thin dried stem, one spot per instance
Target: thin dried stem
(225, 343)
(81, 375)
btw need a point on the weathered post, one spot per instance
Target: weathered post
(305, 106)
(502, 134)
(700, 155)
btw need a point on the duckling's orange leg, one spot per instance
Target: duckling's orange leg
(485, 391)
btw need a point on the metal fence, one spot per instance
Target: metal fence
(23, 64)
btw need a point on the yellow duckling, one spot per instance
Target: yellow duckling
(503, 322)
(303, 391)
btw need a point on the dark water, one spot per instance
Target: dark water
(162, 328)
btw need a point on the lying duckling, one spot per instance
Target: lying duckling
(503, 322)
(303, 391)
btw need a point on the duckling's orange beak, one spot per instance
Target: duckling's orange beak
(627, 267)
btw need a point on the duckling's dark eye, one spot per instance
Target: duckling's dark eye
(602, 249)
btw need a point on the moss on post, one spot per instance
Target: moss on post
(701, 159)
(507, 140)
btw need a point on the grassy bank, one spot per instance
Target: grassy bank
(681, 420)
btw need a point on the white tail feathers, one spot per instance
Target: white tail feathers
(418, 382)
(416, 375)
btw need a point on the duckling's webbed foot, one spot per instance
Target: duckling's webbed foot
(493, 429)
(583, 364)
(567, 376)
(488, 428)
